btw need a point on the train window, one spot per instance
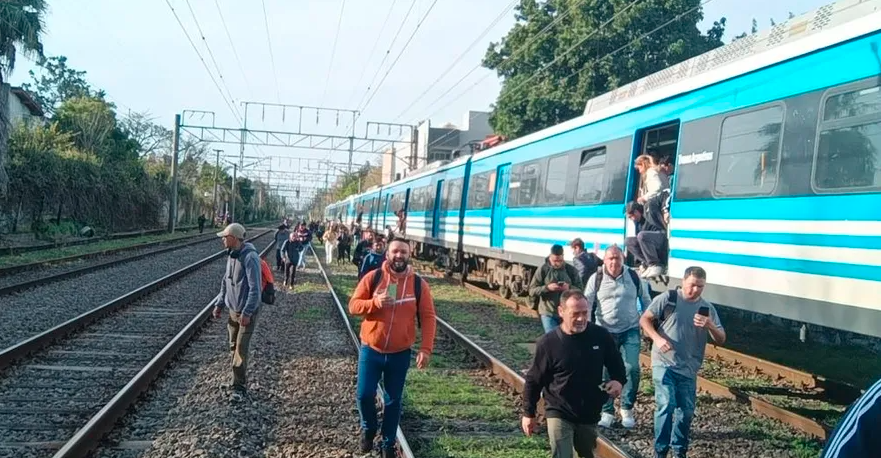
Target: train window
(525, 184)
(591, 176)
(749, 151)
(849, 149)
(430, 196)
(454, 197)
(555, 182)
(481, 190)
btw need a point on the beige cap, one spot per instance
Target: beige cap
(235, 229)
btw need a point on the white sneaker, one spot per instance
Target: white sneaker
(627, 419)
(653, 271)
(606, 420)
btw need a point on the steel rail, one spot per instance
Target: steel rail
(14, 288)
(87, 438)
(45, 338)
(10, 251)
(406, 451)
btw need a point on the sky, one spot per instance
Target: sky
(137, 52)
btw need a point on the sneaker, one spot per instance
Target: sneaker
(606, 420)
(389, 453)
(627, 419)
(367, 440)
(653, 271)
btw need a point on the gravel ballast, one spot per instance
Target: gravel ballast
(301, 401)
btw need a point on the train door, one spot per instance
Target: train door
(500, 206)
(436, 211)
(385, 210)
(661, 143)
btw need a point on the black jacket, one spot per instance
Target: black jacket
(569, 369)
(291, 250)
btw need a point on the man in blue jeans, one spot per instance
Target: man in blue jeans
(550, 281)
(617, 296)
(683, 323)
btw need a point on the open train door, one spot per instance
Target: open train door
(500, 206)
(436, 211)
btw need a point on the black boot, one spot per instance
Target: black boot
(367, 440)
(389, 453)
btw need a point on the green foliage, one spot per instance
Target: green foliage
(602, 57)
(57, 83)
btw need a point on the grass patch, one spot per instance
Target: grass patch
(97, 247)
(459, 447)
(772, 433)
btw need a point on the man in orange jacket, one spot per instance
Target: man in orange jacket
(390, 308)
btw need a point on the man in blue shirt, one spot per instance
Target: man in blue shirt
(374, 259)
(856, 435)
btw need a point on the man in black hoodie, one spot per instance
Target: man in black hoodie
(568, 367)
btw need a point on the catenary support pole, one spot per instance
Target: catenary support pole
(175, 146)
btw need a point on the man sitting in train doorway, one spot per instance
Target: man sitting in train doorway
(649, 247)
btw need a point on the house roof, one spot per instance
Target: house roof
(28, 101)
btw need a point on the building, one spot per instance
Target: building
(435, 144)
(22, 107)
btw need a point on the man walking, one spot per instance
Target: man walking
(585, 263)
(683, 321)
(568, 368)
(281, 236)
(549, 282)
(290, 254)
(391, 305)
(615, 293)
(240, 292)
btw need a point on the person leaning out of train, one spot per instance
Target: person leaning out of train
(585, 263)
(568, 370)
(649, 247)
(550, 281)
(373, 260)
(617, 296)
(391, 305)
(678, 323)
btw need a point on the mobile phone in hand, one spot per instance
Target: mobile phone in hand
(703, 311)
(392, 291)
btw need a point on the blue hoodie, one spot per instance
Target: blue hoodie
(240, 287)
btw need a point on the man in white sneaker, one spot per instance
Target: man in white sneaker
(617, 296)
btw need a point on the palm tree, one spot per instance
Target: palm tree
(21, 24)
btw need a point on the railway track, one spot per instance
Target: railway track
(62, 389)
(728, 414)
(467, 403)
(13, 250)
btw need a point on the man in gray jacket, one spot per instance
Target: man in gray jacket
(240, 292)
(615, 293)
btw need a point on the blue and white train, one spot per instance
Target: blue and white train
(777, 145)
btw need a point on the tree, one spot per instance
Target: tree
(151, 137)
(581, 56)
(21, 25)
(58, 83)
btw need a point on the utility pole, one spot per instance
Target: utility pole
(232, 198)
(216, 170)
(351, 151)
(175, 146)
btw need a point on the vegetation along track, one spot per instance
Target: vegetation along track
(40, 308)
(27, 276)
(722, 426)
(301, 400)
(73, 385)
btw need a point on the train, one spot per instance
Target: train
(776, 147)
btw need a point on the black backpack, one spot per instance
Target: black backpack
(543, 272)
(669, 308)
(417, 291)
(598, 280)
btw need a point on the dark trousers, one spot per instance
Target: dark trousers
(648, 247)
(201, 227)
(343, 253)
(290, 271)
(239, 342)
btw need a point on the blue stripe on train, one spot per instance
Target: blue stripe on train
(835, 241)
(853, 207)
(831, 269)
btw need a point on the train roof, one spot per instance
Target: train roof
(840, 21)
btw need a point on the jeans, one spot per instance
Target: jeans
(674, 393)
(648, 247)
(239, 342)
(566, 436)
(628, 344)
(302, 263)
(392, 368)
(279, 263)
(549, 323)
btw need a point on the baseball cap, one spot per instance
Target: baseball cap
(235, 229)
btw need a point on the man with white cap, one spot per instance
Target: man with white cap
(240, 292)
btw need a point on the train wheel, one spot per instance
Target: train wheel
(505, 291)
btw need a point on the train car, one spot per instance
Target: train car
(776, 139)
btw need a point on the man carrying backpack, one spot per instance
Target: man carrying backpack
(549, 283)
(240, 291)
(617, 296)
(392, 300)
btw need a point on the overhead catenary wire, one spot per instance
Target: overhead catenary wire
(210, 52)
(333, 51)
(233, 46)
(372, 52)
(204, 64)
(271, 54)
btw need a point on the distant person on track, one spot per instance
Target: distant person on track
(290, 253)
(568, 368)
(856, 435)
(331, 238)
(304, 235)
(240, 291)
(374, 259)
(387, 333)
(683, 321)
(550, 281)
(617, 297)
(282, 234)
(201, 223)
